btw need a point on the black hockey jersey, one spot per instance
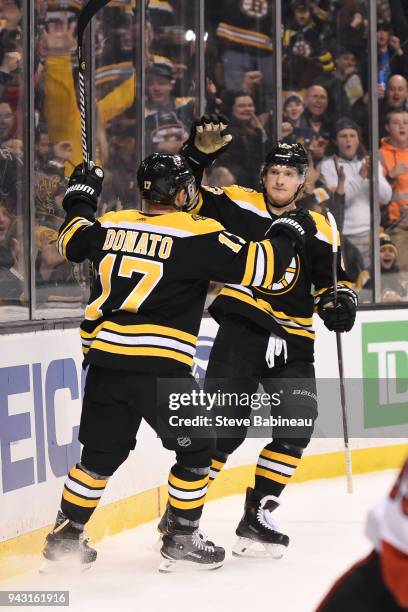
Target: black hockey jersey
(244, 25)
(286, 306)
(146, 305)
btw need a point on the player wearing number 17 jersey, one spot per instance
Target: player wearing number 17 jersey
(141, 323)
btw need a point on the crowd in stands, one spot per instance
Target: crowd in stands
(325, 107)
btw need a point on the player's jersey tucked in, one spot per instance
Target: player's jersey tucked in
(286, 306)
(387, 528)
(153, 272)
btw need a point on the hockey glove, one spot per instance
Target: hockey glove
(84, 186)
(207, 141)
(339, 318)
(298, 225)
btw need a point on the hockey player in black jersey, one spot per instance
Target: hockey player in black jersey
(141, 324)
(266, 333)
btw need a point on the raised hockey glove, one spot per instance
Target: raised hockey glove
(298, 225)
(207, 141)
(84, 186)
(339, 318)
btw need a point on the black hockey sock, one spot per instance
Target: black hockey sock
(81, 494)
(187, 490)
(276, 465)
(217, 463)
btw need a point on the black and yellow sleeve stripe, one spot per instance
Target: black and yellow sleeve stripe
(259, 267)
(69, 231)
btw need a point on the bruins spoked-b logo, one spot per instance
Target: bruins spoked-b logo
(254, 8)
(287, 281)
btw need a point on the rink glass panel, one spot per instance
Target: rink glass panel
(171, 76)
(61, 288)
(14, 243)
(392, 94)
(117, 92)
(130, 45)
(239, 69)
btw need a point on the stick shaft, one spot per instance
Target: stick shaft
(349, 468)
(84, 19)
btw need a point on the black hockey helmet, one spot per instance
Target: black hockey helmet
(284, 154)
(160, 176)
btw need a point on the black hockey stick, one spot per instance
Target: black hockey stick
(349, 467)
(84, 19)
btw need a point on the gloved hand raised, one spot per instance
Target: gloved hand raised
(85, 185)
(297, 224)
(207, 140)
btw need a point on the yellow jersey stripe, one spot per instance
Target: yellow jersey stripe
(264, 306)
(87, 479)
(272, 476)
(250, 264)
(137, 351)
(270, 262)
(141, 329)
(242, 296)
(187, 484)
(78, 501)
(66, 228)
(268, 454)
(299, 332)
(70, 234)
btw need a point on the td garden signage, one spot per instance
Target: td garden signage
(385, 372)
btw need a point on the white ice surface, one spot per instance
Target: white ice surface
(326, 527)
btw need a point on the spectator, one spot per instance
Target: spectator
(61, 112)
(244, 38)
(396, 98)
(392, 289)
(11, 280)
(394, 153)
(293, 108)
(10, 65)
(399, 19)
(357, 186)
(164, 133)
(346, 73)
(352, 27)
(315, 125)
(317, 196)
(391, 56)
(159, 90)
(305, 57)
(339, 84)
(249, 139)
(120, 188)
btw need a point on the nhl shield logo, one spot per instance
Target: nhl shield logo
(184, 441)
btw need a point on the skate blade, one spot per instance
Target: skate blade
(244, 547)
(65, 565)
(168, 566)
